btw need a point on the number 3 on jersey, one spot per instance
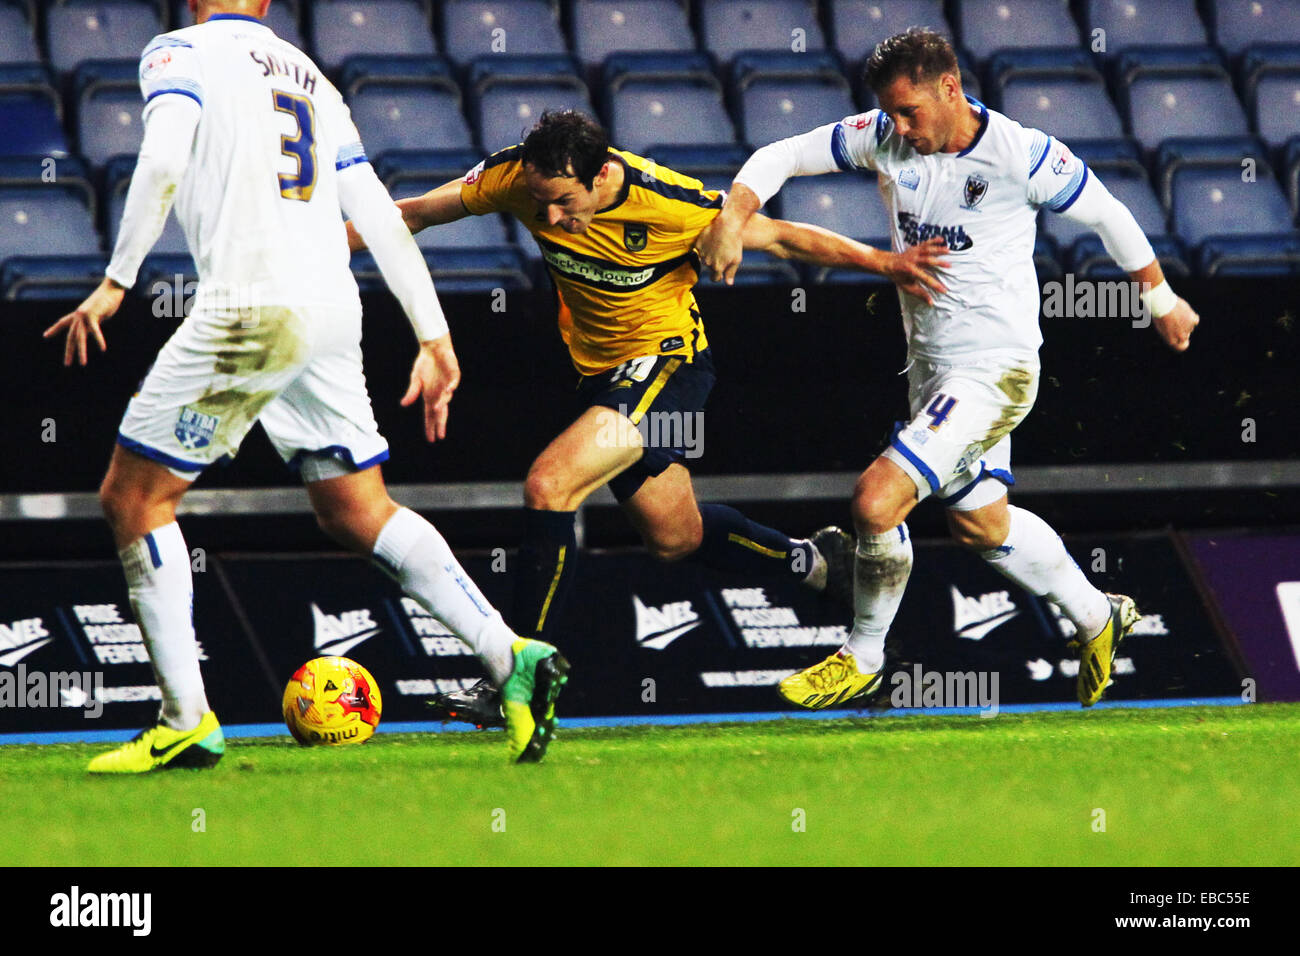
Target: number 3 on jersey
(300, 146)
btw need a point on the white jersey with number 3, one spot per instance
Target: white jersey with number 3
(259, 200)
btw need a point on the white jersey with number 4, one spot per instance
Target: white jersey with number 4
(259, 200)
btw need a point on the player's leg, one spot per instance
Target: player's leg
(882, 499)
(663, 509)
(322, 425)
(586, 455)
(355, 510)
(176, 425)
(1025, 549)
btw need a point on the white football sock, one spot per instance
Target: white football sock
(416, 556)
(158, 580)
(881, 568)
(1035, 558)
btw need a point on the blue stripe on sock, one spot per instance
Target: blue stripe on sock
(154, 556)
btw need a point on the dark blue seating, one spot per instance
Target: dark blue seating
(346, 28)
(79, 30)
(602, 27)
(475, 28)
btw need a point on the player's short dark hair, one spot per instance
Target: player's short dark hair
(918, 54)
(567, 143)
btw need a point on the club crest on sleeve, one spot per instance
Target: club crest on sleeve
(635, 236)
(194, 429)
(1061, 159)
(472, 176)
(975, 190)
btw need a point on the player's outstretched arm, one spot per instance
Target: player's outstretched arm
(169, 127)
(435, 373)
(913, 271)
(435, 208)
(1091, 204)
(720, 246)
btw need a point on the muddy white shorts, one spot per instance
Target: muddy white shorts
(957, 446)
(297, 370)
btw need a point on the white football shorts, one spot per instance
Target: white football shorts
(957, 446)
(297, 370)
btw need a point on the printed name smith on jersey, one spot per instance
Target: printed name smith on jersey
(625, 284)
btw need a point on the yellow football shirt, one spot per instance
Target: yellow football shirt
(625, 284)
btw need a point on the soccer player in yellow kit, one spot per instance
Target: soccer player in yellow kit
(618, 232)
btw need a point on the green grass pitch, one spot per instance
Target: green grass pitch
(1183, 786)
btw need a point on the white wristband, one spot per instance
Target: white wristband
(1160, 300)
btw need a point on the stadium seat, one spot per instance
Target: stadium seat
(345, 28)
(602, 27)
(475, 28)
(1238, 256)
(1163, 100)
(1210, 199)
(79, 30)
(397, 166)
(646, 113)
(109, 108)
(1057, 91)
(509, 94)
(31, 113)
(714, 166)
(457, 270)
(1291, 167)
(46, 220)
(987, 26)
(728, 27)
(858, 25)
(405, 115)
(117, 180)
(782, 95)
(358, 72)
(1128, 23)
(847, 203)
(17, 38)
(61, 278)
(1239, 24)
(1276, 107)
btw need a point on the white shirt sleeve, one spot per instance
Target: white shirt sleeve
(366, 202)
(1062, 182)
(835, 147)
(169, 126)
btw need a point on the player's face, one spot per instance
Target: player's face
(562, 200)
(925, 114)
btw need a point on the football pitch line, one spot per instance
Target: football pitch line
(236, 731)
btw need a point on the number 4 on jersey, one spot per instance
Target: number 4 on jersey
(939, 410)
(301, 145)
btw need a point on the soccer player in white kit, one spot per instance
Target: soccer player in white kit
(952, 168)
(260, 155)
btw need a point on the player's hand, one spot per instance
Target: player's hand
(435, 375)
(83, 322)
(720, 248)
(1176, 325)
(913, 270)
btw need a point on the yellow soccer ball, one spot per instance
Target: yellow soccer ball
(331, 700)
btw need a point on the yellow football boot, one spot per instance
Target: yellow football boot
(833, 681)
(1097, 656)
(161, 748)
